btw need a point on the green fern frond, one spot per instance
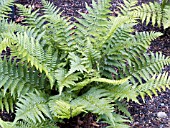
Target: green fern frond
(119, 121)
(65, 80)
(33, 32)
(62, 109)
(142, 67)
(166, 16)
(123, 107)
(86, 82)
(29, 49)
(43, 124)
(127, 7)
(81, 84)
(8, 26)
(115, 23)
(157, 82)
(7, 102)
(91, 56)
(108, 81)
(143, 39)
(95, 23)
(123, 91)
(61, 29)
(150, 12)
(4, 44)
(119, 39)
(139, 43)
(76, 64)
(31, 18)
(18, 79)
(146, 12)
(51, 59)
(5, 8)
(64, 105)
(32, 107)
(96, 101)
(49, 8)
(21, 124)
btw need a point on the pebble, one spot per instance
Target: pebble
(161, 115)
(162, 104)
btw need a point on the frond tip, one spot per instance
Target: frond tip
(157, 82)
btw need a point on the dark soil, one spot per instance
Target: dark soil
(144, 114)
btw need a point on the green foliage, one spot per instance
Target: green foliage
(157, 13)
(30, 124)
(58, 69)
(157, 82)
(5, 8)
(32, 107)
(67, 110)
(166, 18)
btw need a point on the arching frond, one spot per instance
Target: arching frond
(127, 7)
(29, 49)
(156, 83)
(97, 101)
(145, 66)
(120, 92)
(92, 65)
(146, 12)
(18, 79)
(149, 12)
(32, 107)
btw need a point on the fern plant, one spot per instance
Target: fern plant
(58, 69)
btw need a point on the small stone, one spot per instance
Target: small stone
(162, 104)
(161, 115)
